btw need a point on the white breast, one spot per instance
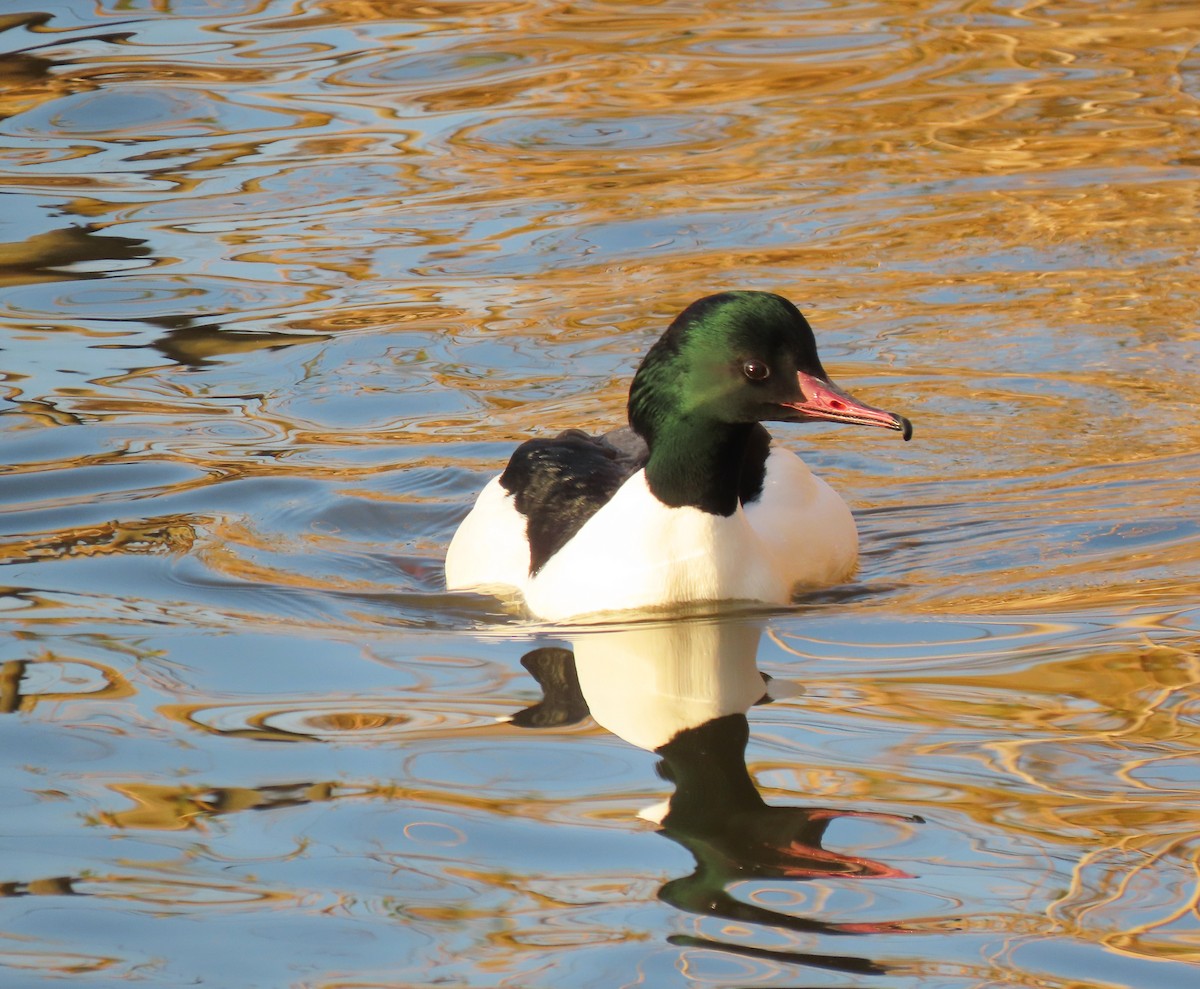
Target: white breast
(636, 553)
(804, 523)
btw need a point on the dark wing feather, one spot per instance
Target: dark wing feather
(558, 484)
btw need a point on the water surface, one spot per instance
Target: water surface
(281, 284)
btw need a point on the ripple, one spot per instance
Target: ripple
(434, 833)
(516, 764)
(1171, 772)
(35, 492)
(426, 71)
(51, 961)
(272, 192)
(171, 894)
(346, 720)
(950, 640)
(140, 296)
(594, 133)
(143, 115)
(26, 683)
(835, 45)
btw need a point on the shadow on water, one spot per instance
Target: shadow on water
(45, 257)
(21, 67)
(54, 256)
(197, 344)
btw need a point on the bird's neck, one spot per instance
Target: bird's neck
(707, 465)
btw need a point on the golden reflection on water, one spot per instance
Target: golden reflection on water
(171, 808)
(24, 683)
(280, 285)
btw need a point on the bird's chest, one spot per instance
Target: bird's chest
(639, 553)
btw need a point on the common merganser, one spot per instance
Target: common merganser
(692, 503)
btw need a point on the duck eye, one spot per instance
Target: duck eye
(756, 370)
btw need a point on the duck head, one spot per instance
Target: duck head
(740, 358)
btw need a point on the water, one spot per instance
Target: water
(281, 284)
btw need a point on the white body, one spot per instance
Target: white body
(637, 553)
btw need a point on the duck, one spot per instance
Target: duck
(691, 505)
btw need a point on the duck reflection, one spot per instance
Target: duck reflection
(682, 690)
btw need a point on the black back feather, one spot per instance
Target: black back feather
(560, 483)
